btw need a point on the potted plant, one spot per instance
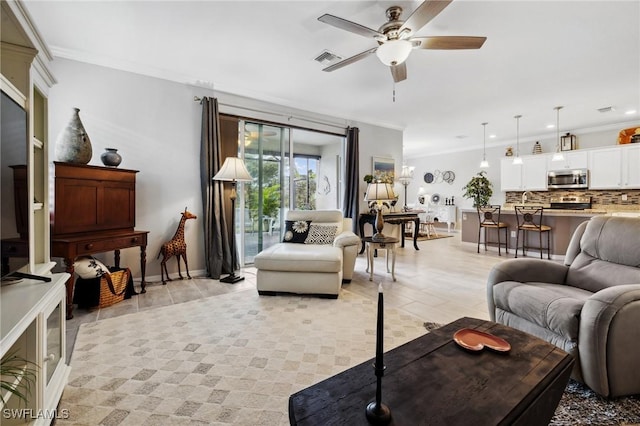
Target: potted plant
(479, 188)
(368, 178)
(17, 375)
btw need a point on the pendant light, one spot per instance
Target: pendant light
(484, 164)
(557, 156)
(517, 160)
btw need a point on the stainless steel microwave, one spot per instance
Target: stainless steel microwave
(569, 178)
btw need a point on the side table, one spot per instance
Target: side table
(389, 245)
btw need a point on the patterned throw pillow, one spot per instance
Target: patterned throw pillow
(321, 234)
(88, 267)
(296, 231)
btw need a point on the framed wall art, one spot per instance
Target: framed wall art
(383, 169)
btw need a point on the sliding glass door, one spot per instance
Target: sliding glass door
(291, 169)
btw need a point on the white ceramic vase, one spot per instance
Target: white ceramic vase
(73, 144)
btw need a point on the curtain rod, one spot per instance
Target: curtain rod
(288, 116)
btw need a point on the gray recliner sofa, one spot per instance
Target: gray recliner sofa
(589, 306)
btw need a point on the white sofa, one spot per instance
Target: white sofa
(316, 269)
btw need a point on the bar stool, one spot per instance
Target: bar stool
(489, 218)
(529, 218)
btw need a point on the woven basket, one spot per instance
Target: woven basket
(113, 287)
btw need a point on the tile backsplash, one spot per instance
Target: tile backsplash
(599, 199)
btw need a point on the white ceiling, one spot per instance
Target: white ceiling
(583, 55)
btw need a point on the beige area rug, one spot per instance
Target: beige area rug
(424, 237)
(229, 359)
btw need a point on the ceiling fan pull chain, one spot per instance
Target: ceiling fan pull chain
(394, 92)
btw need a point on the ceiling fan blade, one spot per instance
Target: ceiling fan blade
(399, 72)
(350, 60)
(447, 42)
(428, 10)
(343, 24)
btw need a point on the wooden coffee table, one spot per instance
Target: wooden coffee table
(431, 380)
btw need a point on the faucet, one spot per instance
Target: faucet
(524, 197)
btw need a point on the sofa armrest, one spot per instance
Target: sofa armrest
(346, 238)
(523, 270)
(609, 340)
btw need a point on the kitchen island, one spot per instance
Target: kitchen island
(563, 222)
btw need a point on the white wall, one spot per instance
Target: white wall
(155, 125)
(327, 190)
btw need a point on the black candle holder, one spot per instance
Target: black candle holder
(377, 412)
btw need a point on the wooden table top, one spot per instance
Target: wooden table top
(431, 380)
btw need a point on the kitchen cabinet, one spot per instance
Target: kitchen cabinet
(531, 175)
(571, 160)
(510, 175)
(534, 173)
(631, 167)
(614, 168)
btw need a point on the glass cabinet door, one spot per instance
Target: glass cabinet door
(54, 352)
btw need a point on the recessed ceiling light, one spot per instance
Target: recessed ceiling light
(492, 136)
(551, 126)
(630, 112)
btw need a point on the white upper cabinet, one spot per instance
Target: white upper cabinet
(614, 168)
(534, 173)
(531, 175)
(510, 175)
(631, 167)
(572, 160)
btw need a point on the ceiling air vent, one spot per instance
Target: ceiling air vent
(326, 57)
(606, 109)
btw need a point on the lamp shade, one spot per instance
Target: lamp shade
(394, 52)
(406, 175)
(380, 192)
(233, 169)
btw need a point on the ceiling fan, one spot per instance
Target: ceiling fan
(394, 37)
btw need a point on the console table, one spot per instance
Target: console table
(433, 378)
(392, 218)
(94, 212)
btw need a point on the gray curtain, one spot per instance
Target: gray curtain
(217, 249)
(352, 172)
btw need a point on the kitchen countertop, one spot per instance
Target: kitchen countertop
(598, 210)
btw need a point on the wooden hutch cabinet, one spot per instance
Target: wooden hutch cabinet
(94, 211)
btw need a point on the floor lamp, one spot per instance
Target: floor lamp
(233, 170)
(406, 176)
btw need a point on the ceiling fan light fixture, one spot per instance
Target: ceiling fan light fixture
(394, 52)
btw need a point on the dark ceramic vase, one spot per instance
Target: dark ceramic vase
(111, 158)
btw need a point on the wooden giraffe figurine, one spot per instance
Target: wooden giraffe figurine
(177, 247)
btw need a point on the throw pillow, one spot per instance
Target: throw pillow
(321, 234)
(296, 231)
(88, 267)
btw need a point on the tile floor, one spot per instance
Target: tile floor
(441, 282)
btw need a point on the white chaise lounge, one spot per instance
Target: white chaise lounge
(317, 266)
